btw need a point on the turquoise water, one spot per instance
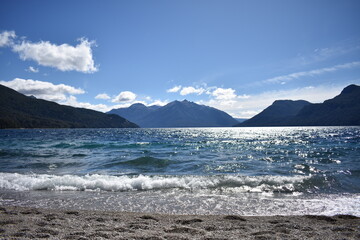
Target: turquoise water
(249, 171)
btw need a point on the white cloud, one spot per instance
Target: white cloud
(292, 76)
(102, 96)
(244, 96)
(32, 69)
(224, 94)
(72, 101)
(246, 106)
(191, 90)
(158, 103)
(174, 89)
(6, 38)
(322, 54)
(64, 94)
(125, 96)
(253, 104)
(63, 57)
(42, 90)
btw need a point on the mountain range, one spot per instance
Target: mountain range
(20, 111)
(176, 114)
(342, 110)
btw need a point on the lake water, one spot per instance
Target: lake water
(247, 171)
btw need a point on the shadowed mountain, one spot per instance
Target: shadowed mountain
(135, 112)
(181, 114)
(342, 110)
(20, 111)
(277, 114)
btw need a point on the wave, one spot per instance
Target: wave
(146, 161)
(238, 183)
(105, 145)
(26, 154)
(85, 145)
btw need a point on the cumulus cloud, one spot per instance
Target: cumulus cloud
(186, 90)
(246, 106)
(292, 76)
(217, 92)
(42, 90)
(224, 99)
(102, 96)
(174, 89)
(191, 90)
(72, 101)
(64, 94)
(63, 57)
(224, 94)
(6, 38)
(125, 96)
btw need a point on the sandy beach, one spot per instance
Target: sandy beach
(32, 223)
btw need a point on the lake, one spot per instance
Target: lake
(246, 171)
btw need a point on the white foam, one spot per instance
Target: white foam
(235, 194)
(235, 183)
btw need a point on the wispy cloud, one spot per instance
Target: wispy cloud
(297, 75)
(72, 101)
(102, 96)
(349, 46)
(6, 38)
(174, 89)
(32, 69)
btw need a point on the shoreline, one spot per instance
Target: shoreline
(36, 223)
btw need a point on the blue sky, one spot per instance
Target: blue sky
(237, 56)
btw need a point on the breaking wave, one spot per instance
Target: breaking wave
(237, 183)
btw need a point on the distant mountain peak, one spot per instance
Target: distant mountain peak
(342, 110)
(350, 89)
(285, 101)
(138, 104)
(177, 114)
(276, 113)
(181, 102)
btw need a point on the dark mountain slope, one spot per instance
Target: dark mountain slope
(135, 112)
(187, 114)
(20, 111)
(342, 110)
(276, 114)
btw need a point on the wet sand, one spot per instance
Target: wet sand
(31, 223)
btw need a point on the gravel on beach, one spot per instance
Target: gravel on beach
(32, 223)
